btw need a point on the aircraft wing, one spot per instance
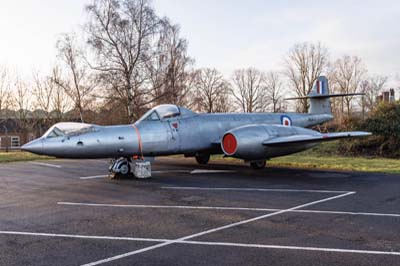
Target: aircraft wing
(313, 138)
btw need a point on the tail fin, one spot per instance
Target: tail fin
(319, 97)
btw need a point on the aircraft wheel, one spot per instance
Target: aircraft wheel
(124, 168)
(258, 164)
(202, 158)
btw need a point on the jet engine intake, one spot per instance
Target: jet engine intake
(246, 142)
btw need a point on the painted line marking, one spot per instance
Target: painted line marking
(374, 252)
(169, 171)
(257, 189)
(205, 171)
(207, 243)
(350, 213)
(97, 161)
(83, 236)
(163, 206)
(154, 172)
(92, 177)
(215, 230)
(223, 208)
(46, 164)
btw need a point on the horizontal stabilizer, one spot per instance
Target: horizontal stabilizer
(314, 138)
(324, 96)
(319, 97)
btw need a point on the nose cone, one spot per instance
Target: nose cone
(35, 146)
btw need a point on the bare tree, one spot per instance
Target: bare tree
(304, 63)
(121, 33)
(372, 87)
(248, 89)
(60, 103)
(5, 90)
(348, 73)
(212, 91)
(23, 104)
(169, 67)
(43, 91)
(77, 82)
(273, 91)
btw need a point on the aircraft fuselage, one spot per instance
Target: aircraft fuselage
(199, 133)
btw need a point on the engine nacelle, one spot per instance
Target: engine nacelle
(247, 142)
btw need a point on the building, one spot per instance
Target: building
(387, 96)
(13, 136)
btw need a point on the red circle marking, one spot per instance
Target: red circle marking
(229, 144)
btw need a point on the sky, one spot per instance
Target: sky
(222, 34)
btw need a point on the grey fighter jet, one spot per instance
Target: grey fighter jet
(169, 129)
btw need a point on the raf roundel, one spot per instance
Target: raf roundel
(286, 121)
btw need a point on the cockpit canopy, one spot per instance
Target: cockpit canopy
(165, 111)
(69, 129)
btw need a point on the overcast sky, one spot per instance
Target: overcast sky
(221, 33)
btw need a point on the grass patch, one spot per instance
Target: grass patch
(301, 160)
(18, 156)
(327, 156)
(324, 149)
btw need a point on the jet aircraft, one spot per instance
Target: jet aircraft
(170, 129)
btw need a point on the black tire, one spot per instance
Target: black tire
(202, 158)
(258, 165)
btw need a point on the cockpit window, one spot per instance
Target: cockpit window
(69, 129)
(161, 112)
(168, 111)
(55, 133)
(79, 131)
(153, 116)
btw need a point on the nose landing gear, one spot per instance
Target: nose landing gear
(120, 168)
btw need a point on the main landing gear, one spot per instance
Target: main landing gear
(120, 168)
(202, 158)
(258, 165)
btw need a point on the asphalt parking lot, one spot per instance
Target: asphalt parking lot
(65, 212)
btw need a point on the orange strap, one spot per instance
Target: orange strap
(139, 140)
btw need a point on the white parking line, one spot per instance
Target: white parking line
(351, 213)
(206, 171)
(162, 206)
(223, 208)
(207, 243)
(46, 164)
(257, 189)
(83, 236)
(92, 177)
(154, 172)
(169, 171)
(215, 230)
(373, 252)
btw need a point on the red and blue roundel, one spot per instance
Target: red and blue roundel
(286, 121)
